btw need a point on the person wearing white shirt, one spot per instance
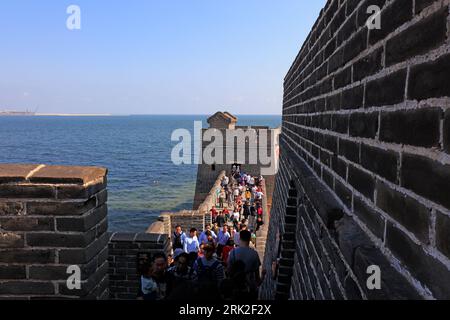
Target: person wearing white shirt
(223, 237)
(225, 181)
(236, 239)
(192, 246)
(236, 192)
(259, 195)
(236, 215)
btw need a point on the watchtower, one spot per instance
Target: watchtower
(240, 142)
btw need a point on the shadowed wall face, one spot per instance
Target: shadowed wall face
(365, 150)
(126, 252)
(53, 218)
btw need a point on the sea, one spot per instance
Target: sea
(143, 182)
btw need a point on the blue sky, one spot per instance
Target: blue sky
(150, 57)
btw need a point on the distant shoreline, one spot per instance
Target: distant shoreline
(121, 115)
(71, 115)
(5, 115)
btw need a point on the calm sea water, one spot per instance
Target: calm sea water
(142, 180)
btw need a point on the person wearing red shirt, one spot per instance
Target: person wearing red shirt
(226, 214)
(214, 214)
(259, 211)
(226, 251)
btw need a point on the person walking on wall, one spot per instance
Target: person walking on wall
(250, 259)
(192, 246)
(178, 238)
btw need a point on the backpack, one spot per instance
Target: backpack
(207, 274)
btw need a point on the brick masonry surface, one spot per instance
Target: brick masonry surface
(365, 160)
(52, 217)
(124, 251)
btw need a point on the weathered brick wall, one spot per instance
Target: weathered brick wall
(207, 182)
(51, 218)
(365, 156)
(124, 250)
(188, 220)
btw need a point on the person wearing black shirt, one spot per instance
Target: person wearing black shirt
(252, 211)
(220, 220)
(178, 238)
(246, 208)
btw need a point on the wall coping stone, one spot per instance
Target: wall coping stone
(122, 237)
(148, 237)
(27, 173)
(138, 237)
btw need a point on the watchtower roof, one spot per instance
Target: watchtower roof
(222, 120)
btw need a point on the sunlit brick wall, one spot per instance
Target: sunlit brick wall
(51, 218)
(366, 132)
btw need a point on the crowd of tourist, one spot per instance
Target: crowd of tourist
(218, 263)
(244, 195)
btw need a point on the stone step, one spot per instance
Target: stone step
(286, 262)
(293, 193)
(292, 202)
(283, 288)
(287, 271)
(290, 220)
(284, 279)
(288, 254)
(288, 236)
(291, 211)
(287, 245)
(290, 227)
(281, 296)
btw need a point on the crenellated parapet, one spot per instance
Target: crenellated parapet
(53, 221)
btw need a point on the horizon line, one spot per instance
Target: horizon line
(138, 114)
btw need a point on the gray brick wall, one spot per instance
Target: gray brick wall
(124, 251)
(365, 146)
(51, 218)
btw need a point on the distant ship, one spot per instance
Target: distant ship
(4, 113)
